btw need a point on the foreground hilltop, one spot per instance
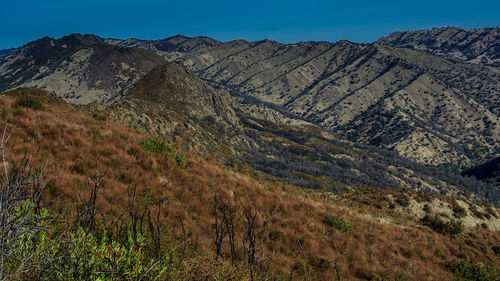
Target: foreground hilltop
(360, 235)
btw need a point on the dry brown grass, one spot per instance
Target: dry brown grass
(75, 145)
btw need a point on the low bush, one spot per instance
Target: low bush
(155, 145)
(337, 222)
(29, 101)
(100, 116)
(159, 145)
(451, 228)
(78, 255)
(467, 270)
(180, 160)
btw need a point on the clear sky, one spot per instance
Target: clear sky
(281, 20)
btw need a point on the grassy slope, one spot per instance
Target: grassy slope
(75, 145)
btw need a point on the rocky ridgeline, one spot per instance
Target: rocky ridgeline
(480, 46)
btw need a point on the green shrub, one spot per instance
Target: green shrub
(467, 270)
(155, 145)
(451, 228)
(17, 111)
(99, 135)
(275, 235)
(93, 258)
(100, 116)
(79, 255)
(496, 250)
(337, 222)
(29, 102)
(159, 145)
(180, 160)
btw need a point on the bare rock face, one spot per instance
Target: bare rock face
(480, 46)
(423, 106)
(79, 68)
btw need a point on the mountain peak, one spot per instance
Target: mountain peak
(174, 86)
(84, 39)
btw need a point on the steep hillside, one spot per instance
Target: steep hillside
(79, 68)
(363, 235)
(172, 101)
(480, 45)
(369, 93)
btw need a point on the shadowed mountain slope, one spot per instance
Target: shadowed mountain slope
(6, 52)
(489, 171)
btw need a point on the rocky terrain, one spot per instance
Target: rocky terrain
(479, 46)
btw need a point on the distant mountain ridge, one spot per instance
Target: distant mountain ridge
(367, 92)
(479, 45)
(425, 107)
(6, 52)
(172, 101)
(79, 68)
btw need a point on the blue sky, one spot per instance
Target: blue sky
(284, 20)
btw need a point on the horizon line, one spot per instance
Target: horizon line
(243, 39)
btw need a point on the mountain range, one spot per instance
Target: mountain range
(367, 161)
(368, 93)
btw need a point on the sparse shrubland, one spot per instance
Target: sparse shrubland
(203, 222)
(472, 271)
